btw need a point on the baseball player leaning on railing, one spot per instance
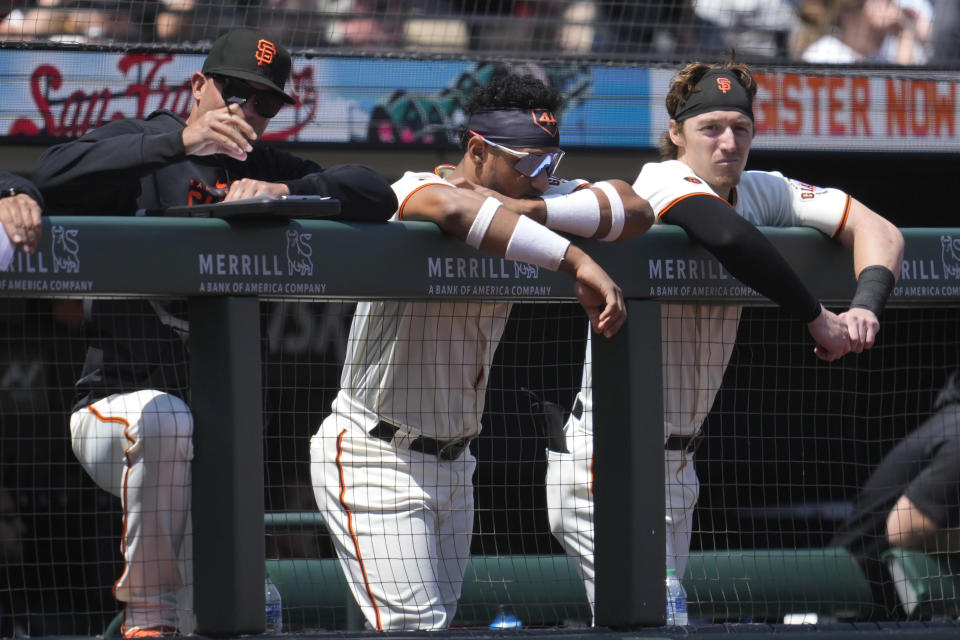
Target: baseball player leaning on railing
(391, 466)
(703, 188)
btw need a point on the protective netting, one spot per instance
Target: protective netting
(797, 464)
(785, 459)
(904, 32)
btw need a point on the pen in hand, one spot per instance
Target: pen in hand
(237, 101)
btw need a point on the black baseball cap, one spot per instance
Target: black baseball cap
(248, 55)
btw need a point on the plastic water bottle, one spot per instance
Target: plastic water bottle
(273, 609)
(676, 600)
(505, 619)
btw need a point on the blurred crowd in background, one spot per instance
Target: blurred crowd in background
(896, 32)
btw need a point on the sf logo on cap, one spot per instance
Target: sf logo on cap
(266, 50)
(545, 119)
(723, 84)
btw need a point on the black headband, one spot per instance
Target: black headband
(532, 128)
(718, 90)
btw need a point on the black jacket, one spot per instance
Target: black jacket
(128, 165)
(131, 164)
(20, 185)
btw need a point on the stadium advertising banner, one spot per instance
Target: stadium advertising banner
(847, 112)
(63, 94)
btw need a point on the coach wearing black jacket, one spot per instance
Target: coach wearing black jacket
(214, 155)
(132, 427)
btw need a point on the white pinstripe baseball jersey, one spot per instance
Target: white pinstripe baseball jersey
(423, 366)
(698, 339)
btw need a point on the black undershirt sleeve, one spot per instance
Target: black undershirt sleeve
(744, 252)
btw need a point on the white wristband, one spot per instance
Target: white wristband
(617, 215)
(482, 222)
(577, 212)
(534, 243)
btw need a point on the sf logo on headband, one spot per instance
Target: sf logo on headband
(545, 119)
(723, 84)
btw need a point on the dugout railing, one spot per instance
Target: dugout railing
(225, 270)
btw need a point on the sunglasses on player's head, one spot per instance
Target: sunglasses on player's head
(530, 163)
(265, 103)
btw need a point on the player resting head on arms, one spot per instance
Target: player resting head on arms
(606, 210)
(503, 196)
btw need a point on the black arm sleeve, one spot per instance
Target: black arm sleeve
(744, 251)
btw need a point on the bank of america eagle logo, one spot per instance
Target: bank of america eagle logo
(299, 254)
(65, 249)
(950, 255)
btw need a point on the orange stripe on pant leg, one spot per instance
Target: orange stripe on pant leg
(126, 475)
(353, 536)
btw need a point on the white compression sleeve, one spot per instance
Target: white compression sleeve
(577, 212)
(482, 222)
(534, 243)
(617, 215)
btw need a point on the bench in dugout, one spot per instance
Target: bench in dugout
(545, 591)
